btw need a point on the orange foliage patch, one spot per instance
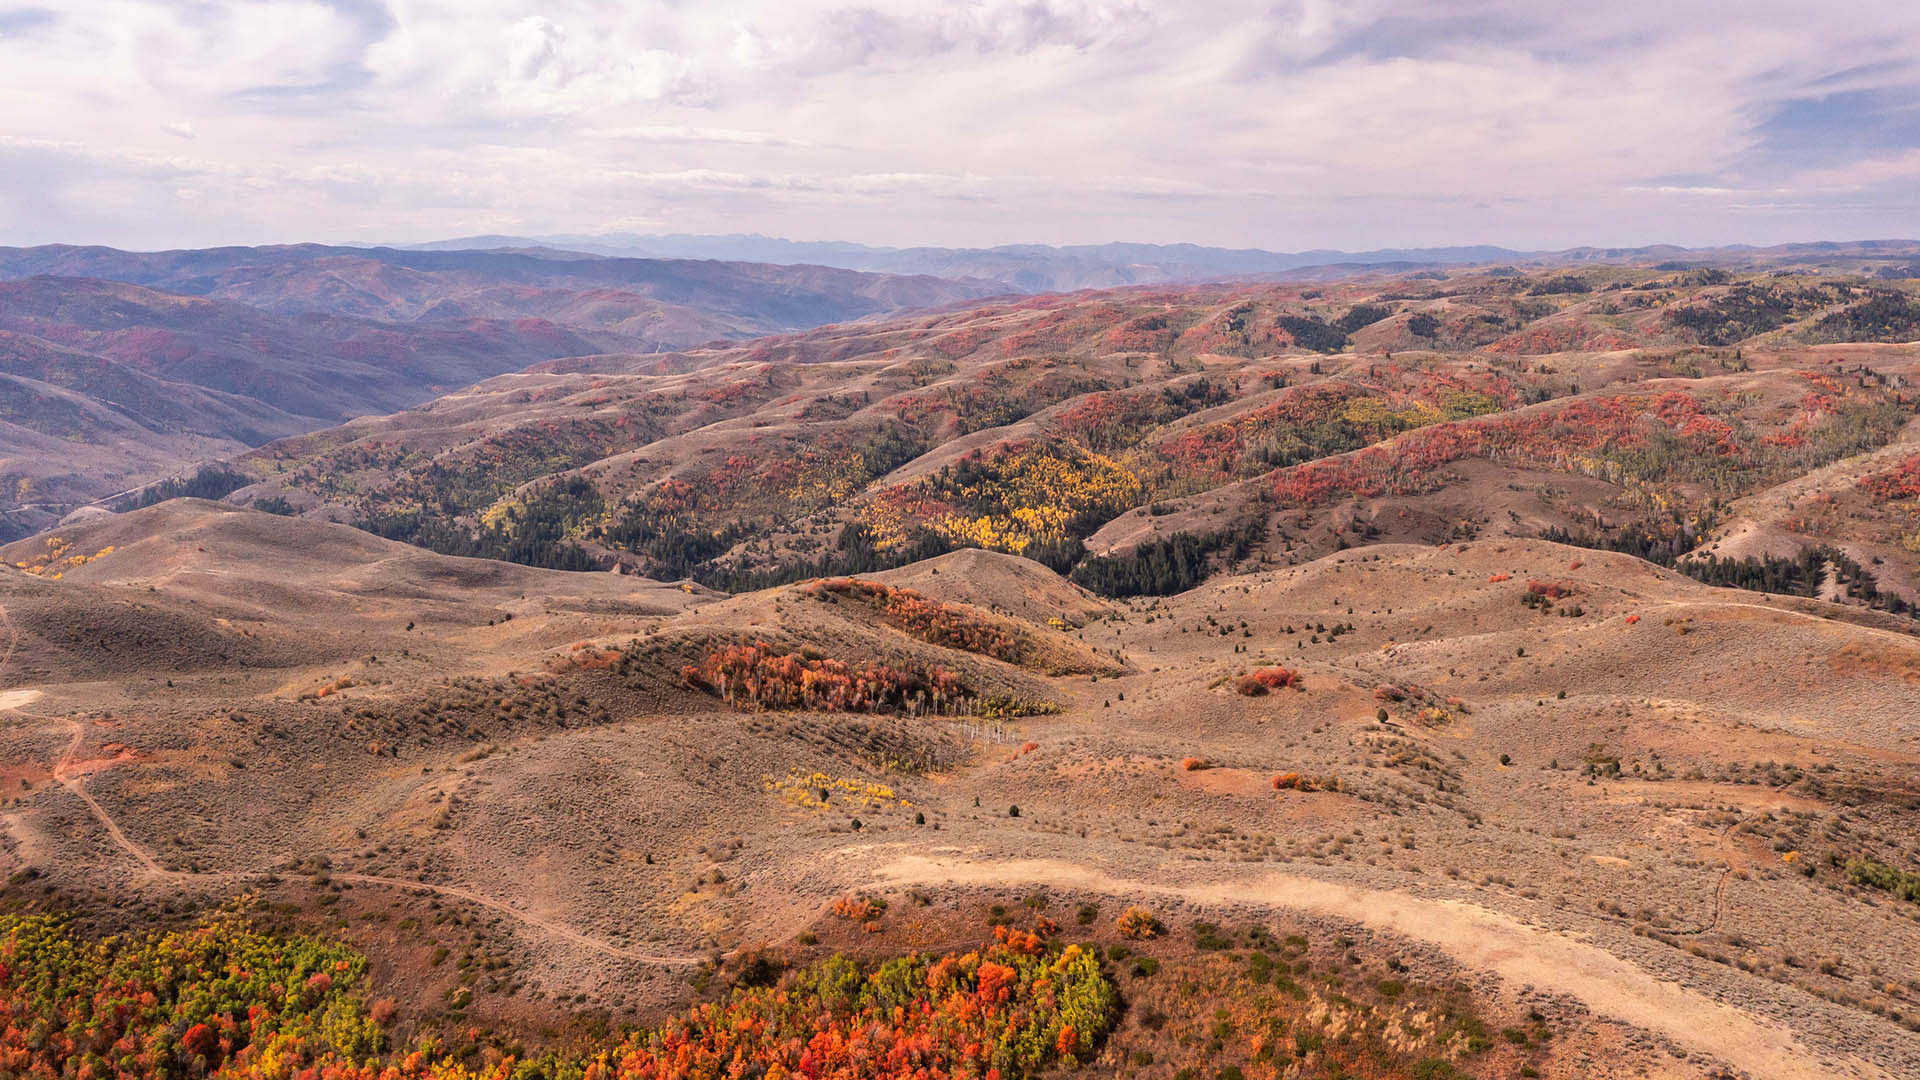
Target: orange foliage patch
(1137, 924)
(761, 676)
(1256, 683)
(929, 620)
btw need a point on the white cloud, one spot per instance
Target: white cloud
(681, 133)
(1278, 123)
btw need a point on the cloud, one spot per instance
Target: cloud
(1277, 123)
(666, 133)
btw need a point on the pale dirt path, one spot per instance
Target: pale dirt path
(553, 928)
(13, 700)
(1476, 937)
(74, 784)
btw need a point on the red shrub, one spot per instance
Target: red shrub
(1265, 679)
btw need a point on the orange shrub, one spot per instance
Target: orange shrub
(1137, 924)
(1498, 578)
(1296, 782)
(1194, 764)
(1631, 619)
(1256, 683)
(857, 908)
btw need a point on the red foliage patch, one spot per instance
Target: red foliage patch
(927, 619)
(1256, 683)
(761, 676)
(1900, 482)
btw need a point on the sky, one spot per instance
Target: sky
(1289, 125)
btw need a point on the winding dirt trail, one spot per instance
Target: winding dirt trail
(63, 772)
(1476, 937)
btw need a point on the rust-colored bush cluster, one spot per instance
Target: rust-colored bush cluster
(1137, 924)
(1291, 781)
(1267, 679)
(763, 676)
(857, 908)
(923, 617)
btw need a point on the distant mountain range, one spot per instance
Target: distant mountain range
(1033, 268)
(118, 367)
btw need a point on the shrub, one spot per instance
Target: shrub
(1137, 924)
(1295, 782)
(858, 908)
(1194, 764)
(1263, 680)
(1210, 937)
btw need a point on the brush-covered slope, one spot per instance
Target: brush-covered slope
(142, 365)
(1144, 438)
(1637, 819)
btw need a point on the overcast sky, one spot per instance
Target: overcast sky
(1289, 125)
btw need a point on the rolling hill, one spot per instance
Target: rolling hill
(1145, 438)
(1446, 791)
(140, 365)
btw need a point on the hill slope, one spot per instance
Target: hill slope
(143, 364)
(1527, 775)
(1145, 438)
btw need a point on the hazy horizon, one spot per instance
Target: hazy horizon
(1285, 127)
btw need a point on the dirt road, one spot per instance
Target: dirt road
(1476, 937)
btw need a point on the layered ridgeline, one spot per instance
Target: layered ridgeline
(117, 367)
(1142, 439)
